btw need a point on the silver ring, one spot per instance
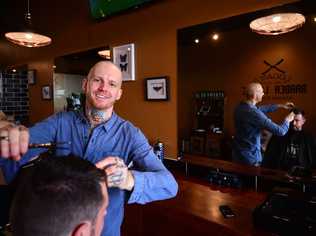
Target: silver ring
(5, 138)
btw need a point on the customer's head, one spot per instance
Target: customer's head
(59, 196)
(299, 119)
(102, 86)
(254, 92)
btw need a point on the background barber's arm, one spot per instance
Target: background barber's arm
(274, 128)
(274, 107)
(287, 105)
(152, 180)
(268, 108)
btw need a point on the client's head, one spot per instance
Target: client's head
(299, 119)
(59, 196)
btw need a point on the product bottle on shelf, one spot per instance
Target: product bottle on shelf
(159, 150)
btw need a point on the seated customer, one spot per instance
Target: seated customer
(296, 148)
(59, 197)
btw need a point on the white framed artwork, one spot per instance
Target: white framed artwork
(124, 58)
(157, 88)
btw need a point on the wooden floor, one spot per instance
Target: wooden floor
(195, 212)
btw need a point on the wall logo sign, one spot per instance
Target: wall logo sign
(273, 67)
(278, 83)
(273, 73)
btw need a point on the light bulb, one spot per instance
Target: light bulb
(276, 19)
(28, 36)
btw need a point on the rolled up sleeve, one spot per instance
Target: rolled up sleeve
(152, 179)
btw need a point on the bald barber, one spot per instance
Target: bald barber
(97, 134)
(249, 120)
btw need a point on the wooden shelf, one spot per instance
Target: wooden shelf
(245, 170)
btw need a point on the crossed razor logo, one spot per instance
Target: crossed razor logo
(273, 67)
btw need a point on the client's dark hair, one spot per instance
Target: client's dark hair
(298, 111)
(55, 195)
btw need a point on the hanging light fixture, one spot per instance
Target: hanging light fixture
(277, 23)
(27, 37)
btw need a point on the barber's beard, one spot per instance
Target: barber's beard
(296, 129)
(100, 105)
(292, 127)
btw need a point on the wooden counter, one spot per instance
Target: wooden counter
(245, 170)
(195, 212)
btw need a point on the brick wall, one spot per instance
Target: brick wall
(14, 99)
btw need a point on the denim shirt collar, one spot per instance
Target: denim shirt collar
(110, 123)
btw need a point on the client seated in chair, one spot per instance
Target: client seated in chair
(59, 196)
(296, 148)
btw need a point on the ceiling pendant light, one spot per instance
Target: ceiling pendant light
(27, 37)
(277, 23)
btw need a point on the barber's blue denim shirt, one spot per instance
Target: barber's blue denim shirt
(116, 137)
(249, 121)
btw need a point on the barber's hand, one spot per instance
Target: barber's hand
(117, 173)
(14, 140)
(287, 105)
(290, 117)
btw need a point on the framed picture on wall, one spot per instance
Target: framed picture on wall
(124, 58)
(157, 88)
(31, 76)
(46, 92)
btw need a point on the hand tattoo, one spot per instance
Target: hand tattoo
(116, 178)
(119, 176)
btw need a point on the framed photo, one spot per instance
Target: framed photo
(157, 88)
(31, 76)
(124, 58)
(46, 92)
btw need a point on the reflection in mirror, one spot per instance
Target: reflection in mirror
(217, 59)
(69, 71)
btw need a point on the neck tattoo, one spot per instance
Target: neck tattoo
(97, 116)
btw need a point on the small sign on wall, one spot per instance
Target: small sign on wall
(278, 83)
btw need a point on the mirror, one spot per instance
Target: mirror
(69, 71)
(213, 70)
